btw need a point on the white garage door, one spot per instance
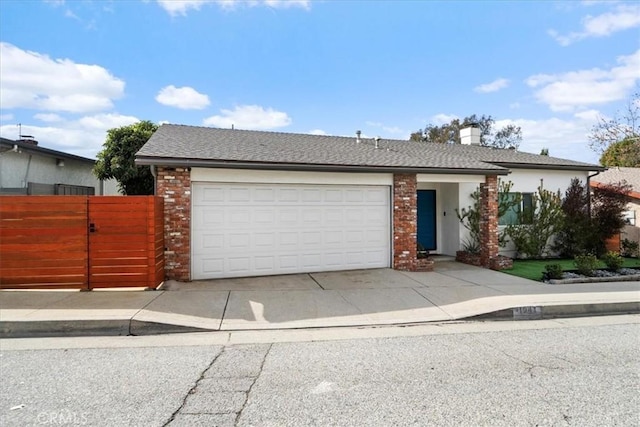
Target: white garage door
(254, 229)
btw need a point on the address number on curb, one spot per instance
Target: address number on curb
(527, 313)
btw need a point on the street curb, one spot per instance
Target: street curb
(63, 328)
(568, 310)
(121, 327)
(139, 328)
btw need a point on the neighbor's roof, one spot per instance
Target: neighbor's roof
(178, 145)
(26, 147)
(618, 174)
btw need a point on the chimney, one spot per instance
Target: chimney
(27, 139)
(470, 135)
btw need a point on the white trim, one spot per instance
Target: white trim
(289, 177)
(423, 177)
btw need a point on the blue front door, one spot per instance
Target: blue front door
(427, 219)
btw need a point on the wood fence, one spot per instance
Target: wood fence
(81, 242)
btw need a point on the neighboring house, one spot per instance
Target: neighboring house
(28, 169)
(632, 215)
(247, 203)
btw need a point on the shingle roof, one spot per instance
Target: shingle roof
(202, 146)
(616, 174)
(32, 148)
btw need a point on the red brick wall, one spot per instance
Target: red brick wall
(405, 226)
(174, 185)
(489, 221)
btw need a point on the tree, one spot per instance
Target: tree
(537, 224)
(608, 204)
(625, 153)
(585, 232)
(116, 160)
(544, 152)
(577, 230)
(623, 126)
(449, 133)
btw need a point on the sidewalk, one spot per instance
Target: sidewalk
(318, 300)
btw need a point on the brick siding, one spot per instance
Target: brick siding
(405, 225)
(489, 221)
(174, 185)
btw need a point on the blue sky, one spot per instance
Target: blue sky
(70, 70)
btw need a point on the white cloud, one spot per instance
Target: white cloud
(33, 80)
(590, 115)
(185, 98)
(391, 131)
(441, 119)
(83, 137)
(565, 138)
(623, 17)
(317, 132)
(494, 86)
(174, 7)
(249, 117)
(48, 117)
(6, 117)
(584, 88)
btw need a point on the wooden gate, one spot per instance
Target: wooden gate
(81, 242)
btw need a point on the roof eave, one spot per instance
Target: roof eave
(585, 168)
(173, 162)
(34, 149)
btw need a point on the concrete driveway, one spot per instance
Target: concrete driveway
(386, 296)
(316, 300)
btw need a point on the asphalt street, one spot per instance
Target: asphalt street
(582, 372)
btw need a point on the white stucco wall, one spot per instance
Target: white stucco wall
(524, 181)
(632, 232)
(17, 169)
(528, 181)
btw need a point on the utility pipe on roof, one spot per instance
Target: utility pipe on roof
(589, 192)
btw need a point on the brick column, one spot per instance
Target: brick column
(174, 185)
(489, 221)
(405, 224)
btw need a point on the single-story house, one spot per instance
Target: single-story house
(632, 177)
(28, 169)
(247, 203)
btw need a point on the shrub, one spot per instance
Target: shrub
(586, 264)
(470, 217)
(537, 224)
(553, 271)
(630, 248)
(585, 230)
(613, 260)
(577, 229)
(471, 246)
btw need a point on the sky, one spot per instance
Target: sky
(71, 70)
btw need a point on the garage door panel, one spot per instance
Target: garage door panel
(252, 229)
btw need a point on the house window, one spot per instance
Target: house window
(630, 217)
(525, 205)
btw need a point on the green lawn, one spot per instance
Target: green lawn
(533, 269)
